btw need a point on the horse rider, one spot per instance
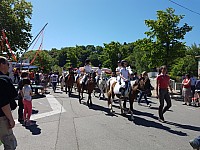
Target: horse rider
(98, 73)
(78, 73)
(70, 69)
(124, 76)
(87, 71)
(117, 70)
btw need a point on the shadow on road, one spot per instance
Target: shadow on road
(183, 126)
(153, 124)
(99, 108)
(33, 128)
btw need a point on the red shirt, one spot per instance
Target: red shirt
(186, 81)
(163, 81)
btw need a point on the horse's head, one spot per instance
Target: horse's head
(141, 84)
(103, 76)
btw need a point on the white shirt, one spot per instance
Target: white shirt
(88, 69)
(99, 71)
(27, 92)
(124, 72)
(118, 69)
(54, 78)
(78, 71)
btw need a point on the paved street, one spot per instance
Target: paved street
(64, 124)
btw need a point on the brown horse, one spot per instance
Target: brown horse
(131, 95)
(69, 82)
(89, 87)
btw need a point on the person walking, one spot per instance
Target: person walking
(54, 80)
(7, 103)
(162, 84)
(27, 101)
(144, 89)
(187, 90)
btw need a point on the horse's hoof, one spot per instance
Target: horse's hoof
(122, 112)
(112, 111)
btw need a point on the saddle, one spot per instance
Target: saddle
(120, 89)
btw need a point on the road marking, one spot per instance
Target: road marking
(56, 109)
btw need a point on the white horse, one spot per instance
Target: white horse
(101, 84)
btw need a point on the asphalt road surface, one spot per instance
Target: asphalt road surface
(61, 123)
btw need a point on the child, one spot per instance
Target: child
(124, 75)
(27, 101)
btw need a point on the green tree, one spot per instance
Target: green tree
(43, 60)
(188, 63)
(110, 53)
(14, 19)
(167, 35)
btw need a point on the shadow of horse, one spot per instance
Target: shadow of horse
(69, 82)
(89, 87)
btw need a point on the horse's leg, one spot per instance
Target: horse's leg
(66, 87)
(110, 102)
(88, 101)
(79, 96)
(132, 97)
(120, 105)
(69, 91)
(124, 106)
(103, 93)
(131, 100)
(90, 98)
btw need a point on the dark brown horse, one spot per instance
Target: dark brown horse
(89, 87)
(131, 95)
(69, 82)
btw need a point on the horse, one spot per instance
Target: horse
(69, 82)
(88, 86)
(131, 94)
(101, 84)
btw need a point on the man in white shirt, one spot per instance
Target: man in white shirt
(54, 80)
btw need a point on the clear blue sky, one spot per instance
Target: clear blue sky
(94, 22)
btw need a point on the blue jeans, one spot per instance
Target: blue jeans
(142, 93)
(54, 84)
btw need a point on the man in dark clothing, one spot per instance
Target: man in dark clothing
(37, 81)
(7, 102)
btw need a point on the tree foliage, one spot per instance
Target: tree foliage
(167, 35)
(14, 19)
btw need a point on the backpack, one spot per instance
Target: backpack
(13, 93)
